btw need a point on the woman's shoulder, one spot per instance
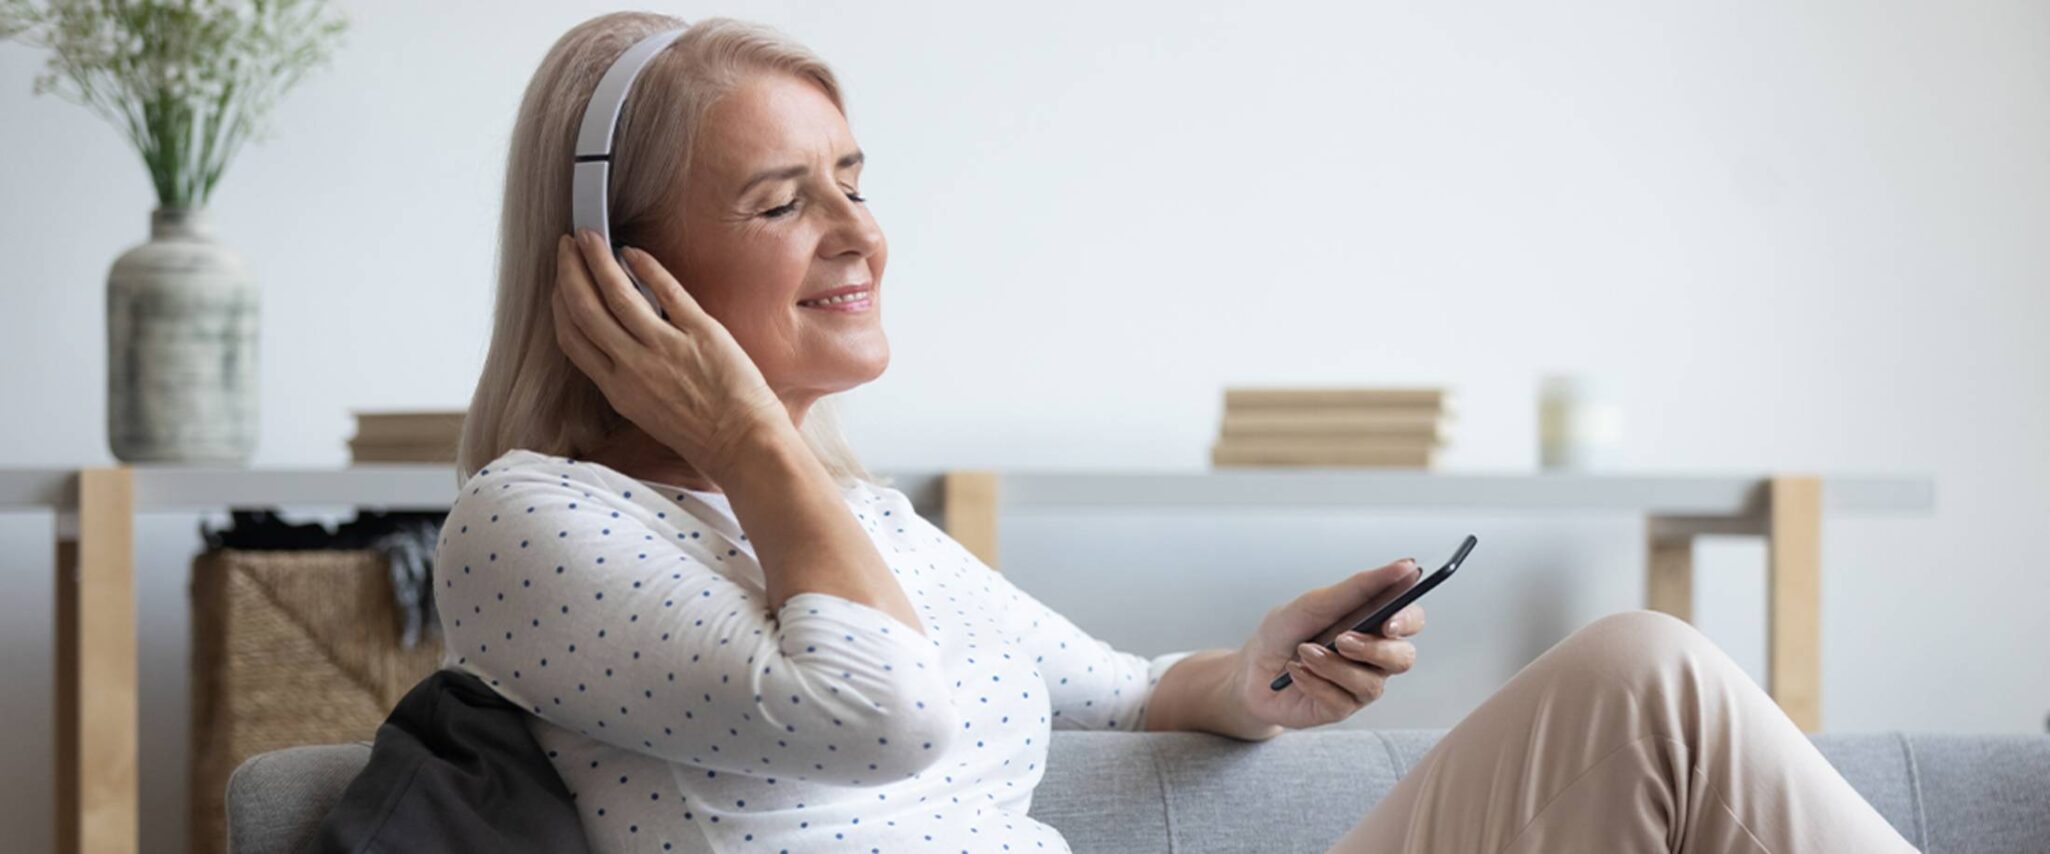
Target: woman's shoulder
(530, 491)
(519, 466)
(889, 510)
(878, 492)
(521, 472)
(558, 467)
(520, 460)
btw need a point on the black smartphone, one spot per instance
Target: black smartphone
(1367, 619)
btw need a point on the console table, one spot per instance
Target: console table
(95, 509)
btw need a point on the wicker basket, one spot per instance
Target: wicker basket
(289, 648)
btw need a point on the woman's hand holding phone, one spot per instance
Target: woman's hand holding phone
(1328, 686)
(683, 379)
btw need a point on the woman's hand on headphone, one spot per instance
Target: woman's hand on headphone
(683, 379)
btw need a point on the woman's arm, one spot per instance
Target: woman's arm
(1196, 695)
(570, 599)
(1090, 685)
(803, 534)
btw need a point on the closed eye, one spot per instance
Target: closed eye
(782, 210)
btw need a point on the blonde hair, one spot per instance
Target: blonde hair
(530, 395)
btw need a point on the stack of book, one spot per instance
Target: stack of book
(1391, 427)
(411, 436)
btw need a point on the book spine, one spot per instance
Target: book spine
(1310, 422)
(1367, 397)
(1233, 454)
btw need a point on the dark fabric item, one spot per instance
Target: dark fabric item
(453, 769)
(409, 546)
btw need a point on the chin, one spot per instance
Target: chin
(872, 369)
(870, 361)
(851, 370)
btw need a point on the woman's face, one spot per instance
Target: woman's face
(771, 218)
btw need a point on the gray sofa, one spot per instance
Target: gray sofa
(1193, 792)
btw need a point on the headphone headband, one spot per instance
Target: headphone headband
(590, 185)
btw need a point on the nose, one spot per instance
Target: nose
(854, 231)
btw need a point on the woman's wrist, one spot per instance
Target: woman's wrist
(1200, 694)
(771, 451)
(1232, 716)
(805, 537)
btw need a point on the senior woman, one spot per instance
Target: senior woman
(732, 638)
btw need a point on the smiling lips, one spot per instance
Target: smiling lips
(861, 299)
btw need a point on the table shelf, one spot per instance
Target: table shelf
(95, 508)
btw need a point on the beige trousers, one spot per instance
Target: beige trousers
(1634, 734)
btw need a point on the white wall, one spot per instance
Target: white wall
(1796, 235)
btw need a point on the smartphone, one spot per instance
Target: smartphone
(1367, 619)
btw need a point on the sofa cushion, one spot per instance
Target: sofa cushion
(1192, 792)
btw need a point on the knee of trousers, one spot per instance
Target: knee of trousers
(1654, 656)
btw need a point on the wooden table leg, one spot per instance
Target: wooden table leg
(1669, 567)
(98, 807)
(970, 511)
(1789, 518)
(1793, 634)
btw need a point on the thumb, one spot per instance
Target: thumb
(1324, 605)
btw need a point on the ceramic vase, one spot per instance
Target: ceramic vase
(181, 347)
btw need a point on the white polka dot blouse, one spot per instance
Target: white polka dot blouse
(684, 715)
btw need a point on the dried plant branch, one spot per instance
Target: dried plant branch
(187, 82)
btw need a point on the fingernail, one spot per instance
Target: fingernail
(1314, 652)
(1409, 560)
(1397, 626)
(1350, 642)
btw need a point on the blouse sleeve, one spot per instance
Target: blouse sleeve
(560, 593)
(1090, 684)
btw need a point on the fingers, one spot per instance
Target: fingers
(587, 356)
(615, 291)
(683, 309)
(1358, 682)
(1335, 701)
(585, 307)
(1406, 622)
(1390, 654)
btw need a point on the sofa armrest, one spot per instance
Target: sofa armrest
(276, 800)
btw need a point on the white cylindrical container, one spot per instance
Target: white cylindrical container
(1580, 426)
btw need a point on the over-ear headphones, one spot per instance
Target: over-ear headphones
(590, 200)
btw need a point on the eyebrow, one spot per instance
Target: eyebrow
(788, 172)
